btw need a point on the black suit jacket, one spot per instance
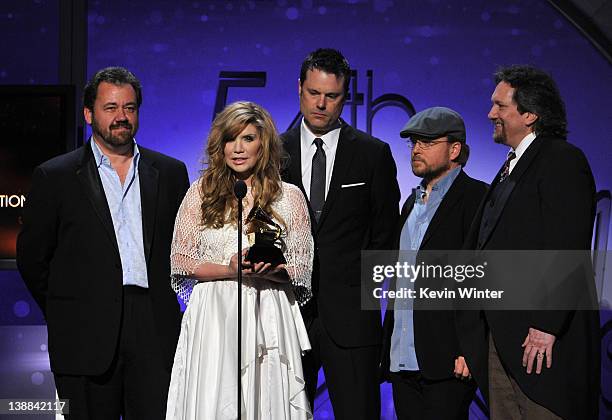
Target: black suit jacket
(68, 256)
(549, 205)
(435, 337)
(354, 218)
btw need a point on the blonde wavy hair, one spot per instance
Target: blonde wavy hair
(219, 205)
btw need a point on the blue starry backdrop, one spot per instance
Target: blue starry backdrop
(431, 52)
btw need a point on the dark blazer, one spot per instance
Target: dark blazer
(354, 218)
(435, 337)
(68, 256)
(549, 205)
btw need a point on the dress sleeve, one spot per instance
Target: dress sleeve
(299, 244)
(185, 253)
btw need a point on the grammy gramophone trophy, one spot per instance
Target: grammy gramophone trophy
(264, 236)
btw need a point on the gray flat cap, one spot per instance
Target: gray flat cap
(435, 122)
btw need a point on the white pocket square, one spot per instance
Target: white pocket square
(357, 184)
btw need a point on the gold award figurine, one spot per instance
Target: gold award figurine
(264, 236)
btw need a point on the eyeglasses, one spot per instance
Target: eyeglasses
(424, 144)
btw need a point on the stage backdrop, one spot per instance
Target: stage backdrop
(426, 53)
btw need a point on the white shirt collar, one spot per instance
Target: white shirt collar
(520, 149)
(330, 139)
(101, 158)
(308, 149)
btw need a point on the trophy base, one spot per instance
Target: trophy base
(266, 254)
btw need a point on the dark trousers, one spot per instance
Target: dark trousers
(417, 398)
(351, 375)
(136, 384)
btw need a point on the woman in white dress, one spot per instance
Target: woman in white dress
(243, 144)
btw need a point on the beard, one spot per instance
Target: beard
(113, 136)
(499, 136)
(427, 172)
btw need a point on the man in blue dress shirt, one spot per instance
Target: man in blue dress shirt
(421, 355)
(94, 252)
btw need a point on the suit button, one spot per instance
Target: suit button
(486, 224)
(491, 203)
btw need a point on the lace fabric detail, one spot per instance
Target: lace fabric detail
(192, 244)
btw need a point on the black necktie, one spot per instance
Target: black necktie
(317, 179)
(506, 168)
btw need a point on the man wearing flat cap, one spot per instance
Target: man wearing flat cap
(421, 356)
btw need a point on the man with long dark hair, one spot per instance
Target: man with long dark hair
(543, 198)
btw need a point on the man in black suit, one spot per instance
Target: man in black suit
(421, 355)
(349, 180)
(535, 364)
(94, 252)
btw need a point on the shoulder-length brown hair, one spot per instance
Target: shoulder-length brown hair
(219, 205)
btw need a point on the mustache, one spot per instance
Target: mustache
(120, 124)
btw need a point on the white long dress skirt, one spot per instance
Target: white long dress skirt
(204, 375)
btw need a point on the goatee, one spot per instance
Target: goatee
(499, 139)
(120, 139)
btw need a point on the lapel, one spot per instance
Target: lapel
(293, 173)
(406, 209)
(515, 176)
(292, 146)
(453, 195)
(87, 174)
(342, 162)
(148, 177)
